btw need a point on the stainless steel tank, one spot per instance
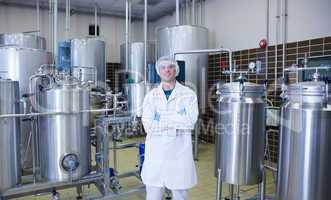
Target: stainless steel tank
(64, 138)
(136, 67)
(24, 40)
(90, 52)
(241, 132)
(85, 74)
(187, 37)
(21, 55)
(135, 93)
(305, 143)
(10, 167)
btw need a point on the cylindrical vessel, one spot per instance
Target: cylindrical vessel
(85, 74)
(187, 37)
(64, 138)
(10, 167)
(23, 40)
(135, 93)
(136, 66)
(90, 52)
(21, 55)
(305, 143)
(241, 132)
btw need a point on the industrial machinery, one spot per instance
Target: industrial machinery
(136, 64)
(87, 53)
(21, 55)
(10, 168)
(64, 139)
(304, 163)
(58, 100)
(62, 152)
(241, 132)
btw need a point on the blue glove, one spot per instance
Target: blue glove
(156, 116)
(182, 111)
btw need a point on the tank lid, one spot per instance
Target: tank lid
(24, 40)
(312, 88)
(182, 26)
(67, 81)
(245, 87)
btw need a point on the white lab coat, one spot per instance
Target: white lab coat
(168, 152)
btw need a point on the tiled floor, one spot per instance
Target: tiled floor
(205, 190)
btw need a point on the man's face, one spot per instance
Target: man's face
(167, 72)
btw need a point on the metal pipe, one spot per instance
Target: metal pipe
(55, 25)
(187, 12)
(38, 16)
(67, 26)
(127, 35)
(219, 185)
(262, 185)
(57, 113)
(193, 12)
(276, 48)
(271, 168)
(50, 22)
(200, 51)
(304, 69)
(106, 159)
(95, 20)
(183, 5)
(284, 20)
(177, 12)
(267, 39)
(145, 43)
(203, 12)
(130, 23)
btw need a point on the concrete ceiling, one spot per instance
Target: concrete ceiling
(156, 8)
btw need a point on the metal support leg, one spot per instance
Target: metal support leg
(262, 186)
(238, 192)
(232, 192)
(105, 157)
(55, 195)
(219, 185)
(79, 192)
(168, 194)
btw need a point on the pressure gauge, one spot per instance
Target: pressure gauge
(251, 65)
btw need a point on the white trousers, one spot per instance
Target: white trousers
(156, 193)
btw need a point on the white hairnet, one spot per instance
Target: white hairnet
(166, 60)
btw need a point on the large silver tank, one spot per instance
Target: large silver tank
(135, 93)
(10, 167)
(187, 37)
(21, 55)
(90, 52)
(305, 143)
(23, 40)
(136, 65)
(241, 132)
(65, 139)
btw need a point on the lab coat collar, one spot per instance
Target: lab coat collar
(173, 93)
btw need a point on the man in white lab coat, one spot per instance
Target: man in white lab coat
(170, 112)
